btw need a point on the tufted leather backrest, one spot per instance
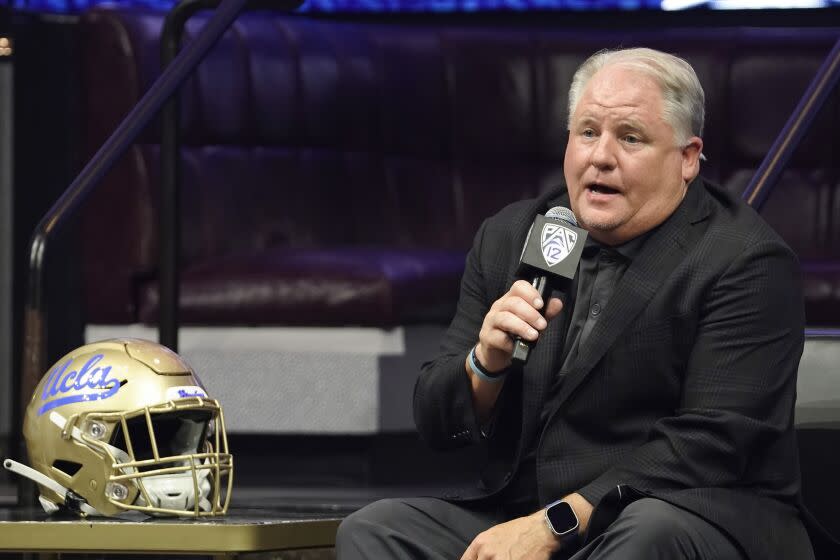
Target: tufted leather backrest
(310, 133)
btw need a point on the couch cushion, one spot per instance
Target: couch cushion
(354, 286)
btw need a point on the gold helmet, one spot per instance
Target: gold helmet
(126, 425)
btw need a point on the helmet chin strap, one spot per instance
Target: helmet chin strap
(39, 478)
(177, 491)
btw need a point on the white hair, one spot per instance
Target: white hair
(683, 100)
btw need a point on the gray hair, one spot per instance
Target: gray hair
(682, 95)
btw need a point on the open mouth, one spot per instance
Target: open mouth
(601, 189)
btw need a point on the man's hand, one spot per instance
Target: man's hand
(514, 314)
(527, 538)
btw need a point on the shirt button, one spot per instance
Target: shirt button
(596, 309)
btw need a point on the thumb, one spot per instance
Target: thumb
(555, 306)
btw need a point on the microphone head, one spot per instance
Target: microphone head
(554, 245)
(563, 214)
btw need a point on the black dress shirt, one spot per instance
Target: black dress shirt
(600, 269)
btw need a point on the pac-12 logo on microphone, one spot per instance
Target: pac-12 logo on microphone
(557, 242)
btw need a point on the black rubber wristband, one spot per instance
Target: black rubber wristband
(481, 371)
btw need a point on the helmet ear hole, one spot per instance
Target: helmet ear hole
(70, 468)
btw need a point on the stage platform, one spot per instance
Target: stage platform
(277, 523)
(244, 531)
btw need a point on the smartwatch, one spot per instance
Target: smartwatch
(562, 520)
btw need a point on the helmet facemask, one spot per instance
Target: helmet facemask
(163, 458)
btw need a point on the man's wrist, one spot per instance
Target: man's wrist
(482, 372)
(582, 508)
(552, 542)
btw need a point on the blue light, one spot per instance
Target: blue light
(415, 6)
(78, 6)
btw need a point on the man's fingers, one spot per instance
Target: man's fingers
(513, 325)
(527, 292)
(525, 311)
(516, 314)
(555, 306)
(499, 340)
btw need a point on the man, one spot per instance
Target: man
(654, 416)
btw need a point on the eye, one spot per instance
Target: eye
(632, 139)
(588, 133)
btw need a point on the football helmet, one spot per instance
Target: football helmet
(126, 425)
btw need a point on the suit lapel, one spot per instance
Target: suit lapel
(659, 257)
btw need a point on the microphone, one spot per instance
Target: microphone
(550, 260)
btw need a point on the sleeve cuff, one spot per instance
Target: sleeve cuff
(597, 489)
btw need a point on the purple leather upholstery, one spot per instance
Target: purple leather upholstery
(351, 286)
(335, 172)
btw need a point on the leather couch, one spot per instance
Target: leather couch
(335, 171)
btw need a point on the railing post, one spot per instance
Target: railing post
(169, 226)
(795, 128)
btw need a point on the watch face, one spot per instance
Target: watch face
(562, 518)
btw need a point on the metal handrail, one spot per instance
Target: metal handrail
(794, 130)
(35, 312)
(170, 163)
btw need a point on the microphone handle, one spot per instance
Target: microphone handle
(522, 348)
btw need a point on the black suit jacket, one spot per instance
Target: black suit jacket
(684, 390)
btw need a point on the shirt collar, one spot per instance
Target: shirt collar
(628, 250)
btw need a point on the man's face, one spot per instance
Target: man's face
(623, 169)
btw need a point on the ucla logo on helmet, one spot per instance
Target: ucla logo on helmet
(91, 382)
(557, 242)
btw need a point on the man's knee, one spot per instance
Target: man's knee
(408, 528)
(651, 529)
(369, 521)
(651, 524)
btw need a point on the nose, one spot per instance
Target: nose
(602, 156)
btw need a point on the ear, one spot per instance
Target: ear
(691, 158)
